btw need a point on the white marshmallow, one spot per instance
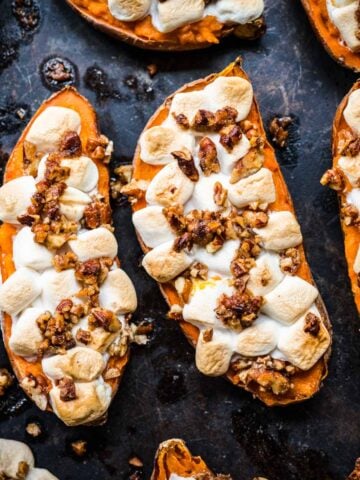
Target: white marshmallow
(57, 286)
(356, 265)
(233, 92)
(281, 232)
(173, 14)
(73, 203)
(353, 197)
(25, 334)
(203, 194)
(227, 159)
(19, 290)
(28, 253)
(96, 243)
(40, 474)
(15, 198)
(129, 10)
(352, 111)
(259, 339)
(236, 11)
(266, 274)
(258, 187)
(152, 226)
(351, 167)
(188, 103)
(212, 358)
(11, 454)
(219, 262)
(344, 18)
(117, 293)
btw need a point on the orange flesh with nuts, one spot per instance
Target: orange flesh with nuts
(330, 35)
(68, 98)
(305, 383)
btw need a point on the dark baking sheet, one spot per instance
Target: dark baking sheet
(162, 394)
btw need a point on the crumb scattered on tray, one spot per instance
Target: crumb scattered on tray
(79, 447)
(33, 429)
(278, 128)
(6, 380)
(152, 69)
(136, 462)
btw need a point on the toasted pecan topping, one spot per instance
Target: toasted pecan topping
(279, 130)
(255, 219)
(54, 172)
(208, 335)
(67, 389)
(238, 310)
(355, 475)
(350, 214)
(83, 336)
(220, 194)
(97, 147)
(93, 271)
(97, 213)
(22, 470)
(175, 216)
(64, 261)
(312, 324)
(334, 178)
(70, 145)
(203, 120)
(199, 270)
(269, 380)
(186, 164)
(225, 116)
(230, 136)
(182, 121)
(6, 380)
(209, 162)
(100, 317)
(349, 144)
(248, 165)
(290, 261)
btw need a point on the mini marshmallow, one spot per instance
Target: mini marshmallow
(163, 263)
(11, 454)
(25, 334)
(351, 167)
(259, 339)
(129, 10)
(188, 103)
(212, 358)
(117, 293)
(169, 186)
(356, 265)
(100, 338)
(81, 363)
(266, 274)
(40, 474)
(352, 110)
(157, 144)
(48, 128)
(73, 203)
(172, 14)
(96, 243)
(28, 253)
(281, 232)
(15, 198)
(237, 11)
(344, 18)
(219, 262)
(19, 290)
(203, 194)
(292, 297)
(353, 197)
(258, 187)
(152, 226)
(57, 286)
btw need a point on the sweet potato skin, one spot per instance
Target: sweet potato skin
(306, 384)
(329, 35)
(68, 97)
(126, 33)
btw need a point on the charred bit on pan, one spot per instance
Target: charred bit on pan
(278, 129)
(6, 380)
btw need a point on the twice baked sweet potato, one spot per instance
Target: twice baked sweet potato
(181, 25)
(337, 31)
(217, 224)
(66, 303)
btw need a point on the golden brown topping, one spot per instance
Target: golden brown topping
(349, 145)
(250, 247)
(6, 380)
(355, 475)
(67, 389)
(225, 116)
(209, 162)
(135, 190)
(79, 447)
(279, 130)
(22, 471)
(33, 429)
(54, 172)
(199, 270)
(203, 120)
(248, 165)
(290, 261)
(220, 194)
(64, 261)
(211, 476)
(182, 121)
(30, 159)
(350, 214)
(334, 178)
(230, 136)
(175, 216)
(83, 336)
(312, 324)
(269, 380)
(186, 164)
(100, 317)
(97, 148)
(240, 268)
(93, 271)
(70, 145)
(238, 310)
(97, 213)
(208, 335)
(255, 219)
(136, 462)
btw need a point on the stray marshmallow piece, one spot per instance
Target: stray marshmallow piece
(28, 253)
(157, 144)
(238, 11)
(291, 298)
(25, 333)
(344, 18)
(258, 187)
(212, 358)
(81, 363)
(172, 14)
(73, 203)
(163, 263)
(356, 265)
(152, 226)
(351, 167)
(266, 274)
(352, 110)
(170, 186)
(96, 243)
(129, 10)
(11, 454)
(301, 348)
(57, 286)
(117, 293)
(19, 290)
(48, 128)
(281, 232)
(15, 198)
(259, 339)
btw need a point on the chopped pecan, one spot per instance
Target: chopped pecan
(83, 336)
(175, 216)
(30, 159)
(255, 219)
(312, 324)
(6, 380)
(248, 165)
(278, 128)
(97, 213)
(56, 330)
(79, 447)
(290, 261)
(238, 310)
(199, 270)
(208, 335)
(220, 194)
(209, 162)
(100, 317)
(98, 148)
(67, 389)
(334, 178)
(250, 247)
(225, 116)
(350, 215)
(186, 164)
(355, 474)
(241, 266)
(64, 261)
(230, 136)
(54, 172)
(182, 121)
(70, 144)
(203, 120)
(351, 146)
(93, 271)
(22, 470)
(184, 242)
(269, 380)
(33, 429)
(27, 219)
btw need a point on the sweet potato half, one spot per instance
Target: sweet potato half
(143, 34)
(329, 35)
(70, 98)
(305, 383)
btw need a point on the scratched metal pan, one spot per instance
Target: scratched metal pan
(162, 394)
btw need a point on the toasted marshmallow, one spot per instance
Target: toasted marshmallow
(96, 243)
(152, 226)
(292, 297)
(258, 187)
(344, 18)
(172, 14)
(170, 186)
(356, 265)
(100, 338)
(40, 474)
(266, 274)
(188, 103)
(163, 263)
(57, 286)
(73, 203)
(28, 253)
(352, 110)
(203, 194)
(353, 197)
(92, 401)
(236, 11)
(11, 454)
(25, 334)
(212, 358)
(19, 290)
(48, 128)
(200, 311)
(129, 10)
(227, 159)
(301, 348)
(351, 167)
(157, 143)
(117, 293)
(281, 232)
(259, 339)
(219, 262)
(15, 198)
(233, 92)
(81, 363)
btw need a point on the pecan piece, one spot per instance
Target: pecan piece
(182, 121)
(83, 336)
(70, 144)
(67, 389)
(279, 130)
(209, 162)
(186, 164)
(249, 164)
(290, 261)
(238, 310)
(255, 219)
(350, 214)
(230, 136)
(312, 324)
(269, 380)
(64, 261)
(334, 178)
(220, 194)
(6, 380)
(225, 116)
(175, 216)
(203, 120)
(97, 213)
(100, 317)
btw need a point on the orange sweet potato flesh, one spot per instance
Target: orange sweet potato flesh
(142, 33)
(329, 35)
(351, 233)
(173, 456)
(70, 98)
(306, 383)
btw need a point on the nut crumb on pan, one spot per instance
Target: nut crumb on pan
(135, 461)
(34, 429)
(334, 178)
(6, 380)
(79, 447)
(278, 129)
(355, 474)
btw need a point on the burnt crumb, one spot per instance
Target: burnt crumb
(152, 69)
(98, 81)
(27, 14)
(34, 429)
(13, 116)
(79, 447)
(278, 129)
(57, 72)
